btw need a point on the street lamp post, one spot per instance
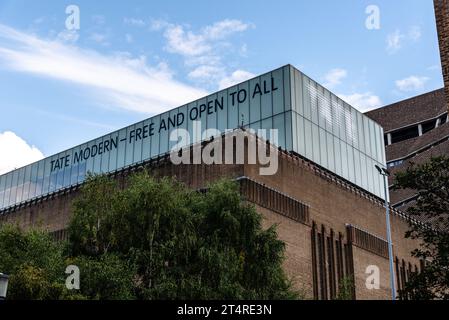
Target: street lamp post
(3, 285)
(384, 172)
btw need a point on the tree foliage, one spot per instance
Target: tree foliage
(157, 239)
(35, 263)
(431, 182)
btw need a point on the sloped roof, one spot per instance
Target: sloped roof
(410, 111)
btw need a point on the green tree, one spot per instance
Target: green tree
(35, 263)
(431, 182)
(177, 243)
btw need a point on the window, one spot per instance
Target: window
(427, 126)
(395, 163)
(404, 134)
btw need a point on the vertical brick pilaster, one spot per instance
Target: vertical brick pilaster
(442, 19)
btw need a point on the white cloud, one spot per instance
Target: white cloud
(16, 152)
(206, 72)
(134, 22)
(334, 77)
(415, 33)
(362, 101)
(70, 36)
(224, 28)
(129, 38)
(236, 77)
(121, 80)
(204, 50)
(99, 38)
(412, 83)
(394, 41)
(189, 43)
(98, 19)
(185, 42)
(435, 67)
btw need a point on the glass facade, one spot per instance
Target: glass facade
(335, 135)
(310, 121)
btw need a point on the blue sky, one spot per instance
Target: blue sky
(129, 60)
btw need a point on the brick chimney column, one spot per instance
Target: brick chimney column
(442, 18)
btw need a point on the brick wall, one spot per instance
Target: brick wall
(312, 209)
(442, 19)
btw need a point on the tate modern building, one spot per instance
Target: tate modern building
(326, 195)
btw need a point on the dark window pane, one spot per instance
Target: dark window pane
(404, 134)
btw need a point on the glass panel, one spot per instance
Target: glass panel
(361, 132)
(147, 131)
(288, 131)
(122, 142)
(243, 99)
(67, 170)
(40, 178)
(330, 151)
(222, 115)
(266, 102)
(104, 149)
(373, 153)
(254, 101)
(137, 140)
(20, 183)
(300, 131)
(267, 124)
(115, 145)
(308, 139)
(288, 82)
(298, 93)
(278, 95)
(316, 144)
(314, 102)
(308, 87)
(12, 196)
(233, 112)
(129, 149)
(349, 135)
(75, 165)
(351, 169)
(367, 136)
(278, 123)
(364, 175)
(295, 132)
(82, 172)
(358, 171)
(337, 154)
(7, 189)
(89, 160)
(26, 183)
(354, 127)
(323, 149)
(2, 189)
(344, 160)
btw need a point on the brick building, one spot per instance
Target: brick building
(326, 195)
(442, 20)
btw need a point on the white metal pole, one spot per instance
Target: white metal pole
(390, 245)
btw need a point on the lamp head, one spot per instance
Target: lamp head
(3, 285)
